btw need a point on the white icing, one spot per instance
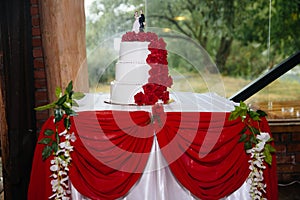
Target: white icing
(123, 93)
(135, 52)
(131, 72)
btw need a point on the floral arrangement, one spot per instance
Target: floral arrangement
(58, 143)
(257, 144)
(159, 78)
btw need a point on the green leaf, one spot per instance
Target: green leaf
(243, 138)
(61, 100)
(70, 112)
(254, 115)
(244, 130)
(261, 113)
(48, 132)
(270, 148)
(67, 123)
(58, 115)
(45, 141)
(58, 92)
(247, 145)
(61, 156)
(46, 152)
(233, 115)
(66, 106)
(57, 138)
(69, 88)
(243, 106)
(74, 103)
(45, 107)
(78, 95)
(267, 153)
(254, 130)
(268, 157)
(253, 139)
(54, 146)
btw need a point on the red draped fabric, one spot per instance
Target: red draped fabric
(109, 157)
(219, 167)
(112, 149)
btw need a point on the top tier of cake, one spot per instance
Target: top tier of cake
(133, 52)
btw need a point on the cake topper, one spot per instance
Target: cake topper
(139, 22)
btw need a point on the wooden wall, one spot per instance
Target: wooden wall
(43, 47)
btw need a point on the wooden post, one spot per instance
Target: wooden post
(63, 34)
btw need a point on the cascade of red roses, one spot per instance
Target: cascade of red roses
(159, 79)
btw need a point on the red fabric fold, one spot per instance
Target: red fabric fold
(112, 149)
(204, 154)
(39, 186)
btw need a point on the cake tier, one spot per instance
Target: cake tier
(132, 73)
(123, 93)
(134, 52)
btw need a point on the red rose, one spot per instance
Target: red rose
(139, 98)
(154, 79)
(165, 97)
(162, 43)
(149, 88)
(151, 99)
(159, 90)
(169, 82)
(151, 59)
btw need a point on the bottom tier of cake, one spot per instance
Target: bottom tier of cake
(123, 93)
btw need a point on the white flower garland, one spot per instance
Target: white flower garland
(60, 167)
(257, 166)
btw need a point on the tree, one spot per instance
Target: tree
(221, 27)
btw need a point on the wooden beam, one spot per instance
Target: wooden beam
(63, 35)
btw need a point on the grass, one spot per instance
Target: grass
(283, 93)
(279, 90)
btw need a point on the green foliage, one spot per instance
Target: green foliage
(62, 106)
(235, 33)
(249, 132)
(268, 153)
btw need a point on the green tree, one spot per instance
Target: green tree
(235, 33)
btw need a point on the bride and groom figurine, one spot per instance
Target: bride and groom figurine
(139, 23)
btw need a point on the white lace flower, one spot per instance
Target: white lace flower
(256, 166)
(259, 146)
(263, 136)
(60, 167)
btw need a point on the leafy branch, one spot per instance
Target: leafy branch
(62, 106)
(249, 134)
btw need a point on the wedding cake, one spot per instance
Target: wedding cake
(141, 75)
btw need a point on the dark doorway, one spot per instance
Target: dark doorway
(17, 102)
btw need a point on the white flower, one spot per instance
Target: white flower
(257, 165)
(73, 137)
(60, 167)
(263, 136)
(259, 146)
(54, 168)
(63, 133)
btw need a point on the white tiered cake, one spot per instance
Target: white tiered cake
(141, 75)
